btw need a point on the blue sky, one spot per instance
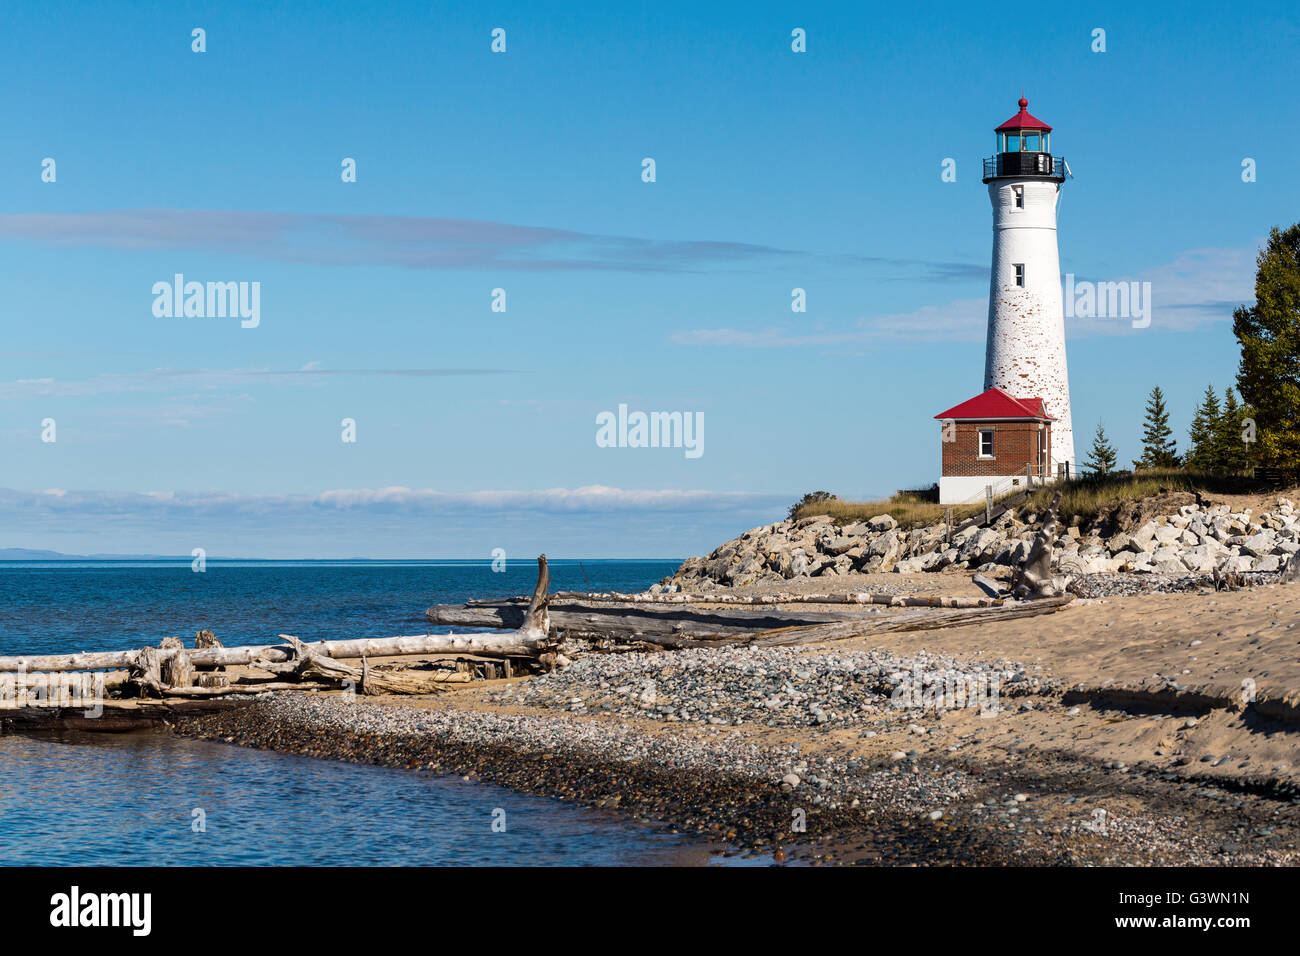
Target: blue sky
(522, 170)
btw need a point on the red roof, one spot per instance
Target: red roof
(996, 403)
(1023, 120)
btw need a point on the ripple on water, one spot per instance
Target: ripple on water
(129, 799)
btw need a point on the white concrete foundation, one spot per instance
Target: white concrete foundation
(961, 490)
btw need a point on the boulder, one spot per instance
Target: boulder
(1200, 559)
(800, 567)
(882, 523)
(1239, 563)
(1259, 545)
(836, 545)
(1122, 542)
(938, 560)
(834, 568)
(745, 572)
(1145, 537)
(1167, 534)
(1167, 562)
(1071, 563)
(882, 553)
(982, 547)
(781, 562)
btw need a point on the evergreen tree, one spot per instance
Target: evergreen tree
(1159, 449)
(1204, 453)
(1102, 456)
(1269, 333)
(1232, 452)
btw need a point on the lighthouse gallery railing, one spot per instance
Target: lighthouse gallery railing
(1024, 164)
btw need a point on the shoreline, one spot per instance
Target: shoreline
(724, 795)
(726, 788)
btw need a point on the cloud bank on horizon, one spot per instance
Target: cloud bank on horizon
(390, 522)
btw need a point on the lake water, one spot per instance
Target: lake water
(62, 606)
(131, 799)
(124, 799)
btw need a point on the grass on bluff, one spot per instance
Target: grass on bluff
(909, 508)
(1080, 497)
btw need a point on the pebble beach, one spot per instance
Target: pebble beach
(804, 757)
(1152, 720)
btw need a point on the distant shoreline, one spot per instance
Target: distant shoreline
(52, 557)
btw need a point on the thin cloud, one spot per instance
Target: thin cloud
(162, 379)
(416, 242)
(426, 242)
(1199, 287)
(374, 501)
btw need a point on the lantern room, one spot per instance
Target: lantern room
(1024, 148)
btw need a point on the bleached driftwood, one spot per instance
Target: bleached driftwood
(485, 645)
(706, 597)
(1035, 579)
(575, 619)
(528, 641)
(907, 621)
(170, 669)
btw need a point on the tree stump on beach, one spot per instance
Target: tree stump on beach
(177, 670)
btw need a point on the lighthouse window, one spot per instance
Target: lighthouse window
(1019, 193)
(986, 443)
(1020, 274)
(1031, 143)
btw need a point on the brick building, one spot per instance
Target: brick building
(993, 440)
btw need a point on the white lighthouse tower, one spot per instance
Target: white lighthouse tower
(1025, 353)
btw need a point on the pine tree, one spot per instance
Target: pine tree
(1232, 452)
(1102, 457)
(1269, 333)
(1204, 454)
(1159, 449)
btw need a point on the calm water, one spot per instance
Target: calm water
(130, 798)
(62, 606)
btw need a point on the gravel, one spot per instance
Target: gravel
(1124, 583)
(775, 687)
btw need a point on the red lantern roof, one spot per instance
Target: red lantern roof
(996, 403)
(1023, 120)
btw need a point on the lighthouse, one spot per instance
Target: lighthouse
(1025, 351)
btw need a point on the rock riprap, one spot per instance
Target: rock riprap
(1197, 540)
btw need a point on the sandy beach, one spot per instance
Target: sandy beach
(1142, 729)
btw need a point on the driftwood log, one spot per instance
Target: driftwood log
(582, 620)
(908, 621)
(485, 645)
(705, 597)
(915, 620)
(1035, 577)
(172, 671)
